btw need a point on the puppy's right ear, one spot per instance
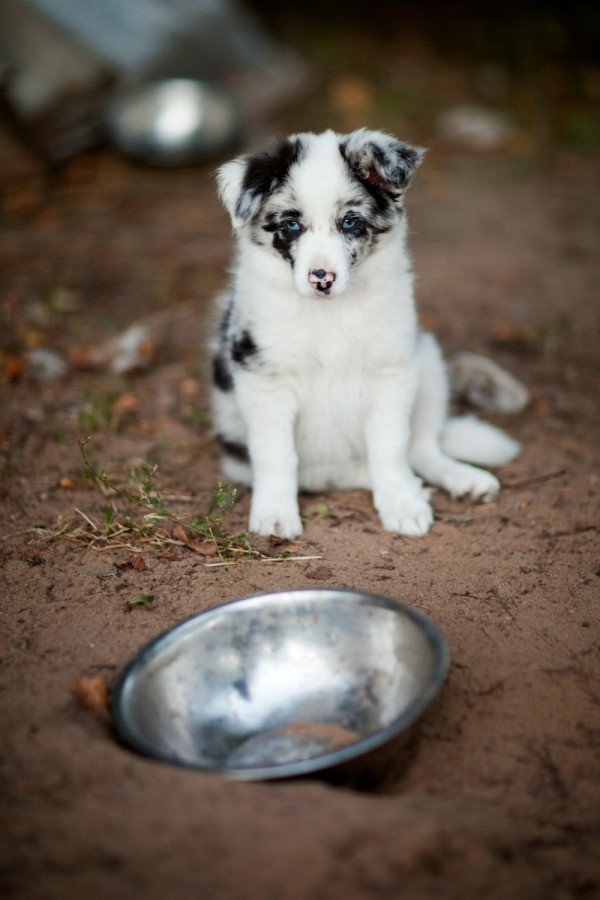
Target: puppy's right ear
(246, 182)
(235, 199)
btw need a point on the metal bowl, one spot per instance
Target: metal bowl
(172, 122)
(283, 684)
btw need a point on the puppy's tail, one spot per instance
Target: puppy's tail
(470, 440)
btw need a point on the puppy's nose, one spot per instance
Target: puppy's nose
(321, 280)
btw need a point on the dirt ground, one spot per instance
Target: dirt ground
(500, 795)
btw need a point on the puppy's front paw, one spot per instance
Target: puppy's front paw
(408, 514)
(476, 484)
(285, 523)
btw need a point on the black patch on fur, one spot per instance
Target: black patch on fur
(381, 197)
(222, 377)
(266, 171)
(282, 238)
(233, 448)
(277, 220)
(243, 348)
(282, 244)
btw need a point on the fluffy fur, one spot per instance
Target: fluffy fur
(321, 377)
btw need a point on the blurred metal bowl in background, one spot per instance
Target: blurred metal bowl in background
(283, 684)
(173, 122)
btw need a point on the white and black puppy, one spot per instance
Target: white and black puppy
(321, 377)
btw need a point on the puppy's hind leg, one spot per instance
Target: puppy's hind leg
(428, 419)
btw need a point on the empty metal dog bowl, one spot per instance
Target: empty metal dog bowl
(283, 684)
(172, 122)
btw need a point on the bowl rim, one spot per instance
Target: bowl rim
(129, 736)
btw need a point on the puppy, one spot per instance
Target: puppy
(321, 377)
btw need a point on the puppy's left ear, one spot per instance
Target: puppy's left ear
(382, 161)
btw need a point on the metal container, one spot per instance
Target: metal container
(282, 685)
(172, 122)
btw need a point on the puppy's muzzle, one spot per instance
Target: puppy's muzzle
(321, 280)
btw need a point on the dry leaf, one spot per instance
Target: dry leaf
(33, 340)
(13, 367)
(539, 407)
(518, 336)
(92, 694)
(203, 548)
(180, 534)
(137, 563)
(292, 548)
(283, 546)
(67, 483)
(189, 388)
(126, 403)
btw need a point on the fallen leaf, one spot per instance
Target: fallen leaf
(180, 534)
(14, 367)
(283, 545)
(202, 548)
(81, 358)
(126, 403)
(189, 387)
(34, 339)
(137, 562)
(516, 336)
(92, 694)
(67, 484)
(540, 407)
(292, 548)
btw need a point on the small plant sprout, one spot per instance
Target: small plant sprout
(135, 518)
(143, 600)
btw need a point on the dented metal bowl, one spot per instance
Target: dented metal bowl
(284, 684)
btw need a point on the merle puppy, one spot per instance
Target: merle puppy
(322, 378)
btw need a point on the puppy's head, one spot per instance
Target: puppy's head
(320, 204)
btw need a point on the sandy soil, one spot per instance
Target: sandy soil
(500, 796)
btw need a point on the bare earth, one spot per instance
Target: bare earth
(501, 795)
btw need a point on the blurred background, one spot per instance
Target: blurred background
(114, 117)
(492, 76)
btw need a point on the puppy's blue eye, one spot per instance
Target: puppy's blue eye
(292, 225)
(349, 223)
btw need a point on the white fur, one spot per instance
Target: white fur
(343, 390)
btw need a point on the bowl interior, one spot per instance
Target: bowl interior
(343, 666)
